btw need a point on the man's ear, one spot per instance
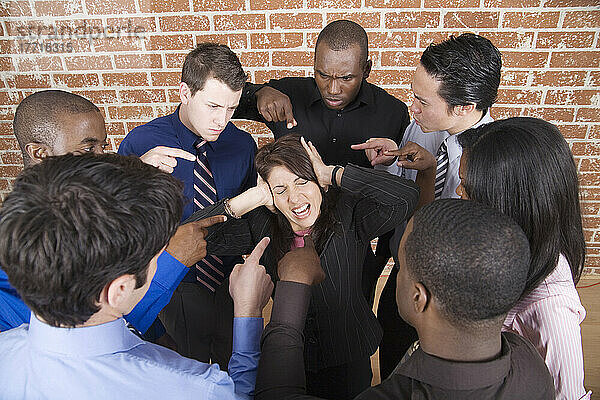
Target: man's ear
(421, 297)
(367, 70)
(185, 94)
(119, 291)
(38, 151)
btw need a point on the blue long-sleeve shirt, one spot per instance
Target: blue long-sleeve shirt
(105, 361)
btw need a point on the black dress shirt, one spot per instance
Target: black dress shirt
(374, 113)
(518, 373)
(341, 326)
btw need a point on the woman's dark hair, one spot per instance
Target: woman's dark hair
(288, 152)
(524, 168)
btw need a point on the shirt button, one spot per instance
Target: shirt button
(333, 140)
(339, 114)
(312, 340)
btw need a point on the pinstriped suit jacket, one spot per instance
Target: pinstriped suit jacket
(340, 325)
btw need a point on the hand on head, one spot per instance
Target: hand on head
(165, 158)
(301, 265)
(413, 156)
(188, 245)
(266, 193)
(376, 150)
(323, 171)
(249, 284)
(275, 106)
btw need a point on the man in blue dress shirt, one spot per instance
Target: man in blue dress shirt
(80, 239)
(73, 124)
(198, 316)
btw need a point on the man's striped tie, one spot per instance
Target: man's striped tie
(209, 270)
(441, 169)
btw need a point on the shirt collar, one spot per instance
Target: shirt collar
(451, 375)
(96, 340)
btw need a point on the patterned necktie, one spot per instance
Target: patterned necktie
(209, 270)
(441, 169)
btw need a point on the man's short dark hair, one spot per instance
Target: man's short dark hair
(341, 34)
(37, 119)
(212, 60)
(72, 224)
(472, 259)
(468, 67)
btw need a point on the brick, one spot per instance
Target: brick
(132, 25)
(570, 3)
(72, 28)
(582, 19)
(573, 97)
(528, 20)
(4, 185)
(254, 59)
(455, 4)
(264, 140)
(184, 23)
(173, 95)
(333, 4)
(6, 129)
(143, 96)
(554, 115)
(561, 40)
(364, 19)
(12, 158)
(160, 6)
(28, 29)
(589, 165)
(7, 113)
(274, 5)
(28, 81)
(137, 61)
(116, 142)
(391, 39)
(15, 9)
(498, 112)
(170, 42)
(585, 149)
(128, 43)
(234, 41)
(99, 97)
(220, 5)
(40, 63)
(265, 76)
(75, 80)
(125, 79)
(80, 45)
(427, 38)
(511, 40)
(575, 59)
(110, 7)
(518, 59)
(400, 58)
(514, 78)
(10, 97)
(237, 22)
(588, 115)
(558, 78)
(88, 62)
(296, 21)
(115, 128)
(275, 40)
(391, 77)
(130, 112)
(293, 58)
(573, 131)
(10, 171)
(417, 19)
(8, 143)
(514, 96)
(13, 47)
(393, 3)
(590, 208)
(6, 64)
(57, 8)
(175, 60)
(511, 3)
(165, 78)
(594, 78)
(472, 19)
(589, 179)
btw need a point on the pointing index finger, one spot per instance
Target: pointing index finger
(210, 221)
(178, 153)
(365, 145)
(258, 250)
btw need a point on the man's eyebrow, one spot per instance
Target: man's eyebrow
(90, 140)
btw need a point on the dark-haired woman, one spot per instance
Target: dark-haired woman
(342, 209)
(524, 168)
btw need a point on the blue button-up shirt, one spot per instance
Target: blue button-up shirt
(108, 361)
(169, 273)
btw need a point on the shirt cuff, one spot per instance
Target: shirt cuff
(246, 333)
(291, 304)
(170, 270)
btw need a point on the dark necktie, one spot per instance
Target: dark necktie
(209, 270)
(441, 170)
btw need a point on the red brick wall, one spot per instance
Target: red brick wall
(551, 54)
